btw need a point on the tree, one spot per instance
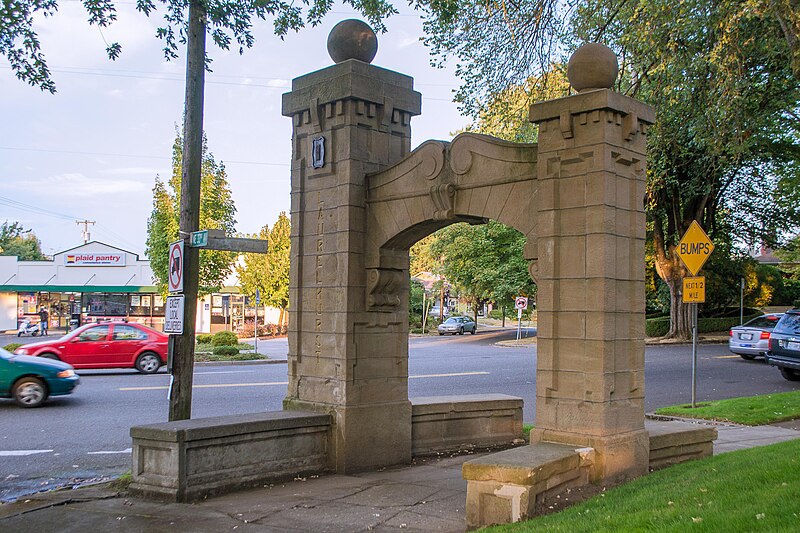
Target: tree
(228, 22)
(217, 211)
(269, 273)
(483, 262)
(19, 242)
(722, 76)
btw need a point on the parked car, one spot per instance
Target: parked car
(457, 325)
(784, 345)
(751, 339)
(106, 345)
(30, 380)
(434, 311)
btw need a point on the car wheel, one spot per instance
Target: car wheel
(50, 356)
(475, 329)
(34, 333)
(30, 392)
(148, 363)
(461, 331)
(747, 356)
(790, 374)
(442, 334)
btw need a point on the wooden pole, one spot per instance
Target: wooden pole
(180, 400)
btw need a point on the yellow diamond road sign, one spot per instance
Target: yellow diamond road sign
(694, 248)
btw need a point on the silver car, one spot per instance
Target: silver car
(457, 325)
(752, 338)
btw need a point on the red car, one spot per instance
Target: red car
(106, 345)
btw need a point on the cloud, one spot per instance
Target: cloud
(136, 171)
(76, 185)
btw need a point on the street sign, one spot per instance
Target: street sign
(258, 297)
(199, 239)
(175, 267)
(694, 290)
(694, 248)
(173, 315)
(521, 302)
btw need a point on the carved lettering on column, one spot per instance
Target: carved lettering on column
(318, 277)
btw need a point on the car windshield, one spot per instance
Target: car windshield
(790, 323)
(453, 320)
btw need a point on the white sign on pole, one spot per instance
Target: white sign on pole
(173, 316)
(175, 266)
(521, 302)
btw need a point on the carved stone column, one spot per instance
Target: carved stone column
(349, 119)
(591, 229)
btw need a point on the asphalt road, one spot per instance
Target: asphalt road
(85, 436)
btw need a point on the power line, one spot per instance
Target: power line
(137, 156)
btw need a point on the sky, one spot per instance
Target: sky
(93, 150)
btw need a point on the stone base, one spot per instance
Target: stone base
(366, 437)
(505, 487)
(677, 442)
(618, 458)
(190, 460)
(450, 423)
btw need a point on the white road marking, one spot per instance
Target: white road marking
(21, 453)
(270, 383)
(449, 375)
(226, 372)
(126, 450)
(212, 386)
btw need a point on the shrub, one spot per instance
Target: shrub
(225, 338)
(204, 338)
(13, 346)
(226, 350)
(706, 325)
(656, 327)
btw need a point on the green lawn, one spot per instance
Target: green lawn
(749, 490)
(752, 411)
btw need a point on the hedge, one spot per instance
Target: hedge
(226, 350)
(204, 338)
(225, 338)
(658, 327)
(11, 347)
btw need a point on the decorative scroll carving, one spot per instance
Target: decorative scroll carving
(442, 196)
(427, 160)
(466, 146)
(533, 270)
(383, 289)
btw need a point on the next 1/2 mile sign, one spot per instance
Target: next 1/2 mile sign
(173, 315)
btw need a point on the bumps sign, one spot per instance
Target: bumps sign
(94, 259)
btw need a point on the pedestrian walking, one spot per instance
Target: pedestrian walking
(44, 316)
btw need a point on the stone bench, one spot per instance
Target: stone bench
(506, 487)
(449, 423)
(189, 460)
(673, 442)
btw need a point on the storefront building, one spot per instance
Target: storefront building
(98, 282)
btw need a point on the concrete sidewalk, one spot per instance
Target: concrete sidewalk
(429, 495)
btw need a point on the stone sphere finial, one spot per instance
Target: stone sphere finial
(592, 66)
(352, 39)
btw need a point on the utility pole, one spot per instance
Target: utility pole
(86, 235)
(180, 399)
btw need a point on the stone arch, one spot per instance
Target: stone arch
(470, 179)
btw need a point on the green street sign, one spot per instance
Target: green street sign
(199, 239)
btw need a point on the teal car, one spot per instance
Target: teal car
(30, 380)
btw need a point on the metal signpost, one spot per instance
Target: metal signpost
(521, 302)
(694, 249)
(255, 320)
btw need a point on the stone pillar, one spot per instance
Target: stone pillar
(349, 119)
(591, 229)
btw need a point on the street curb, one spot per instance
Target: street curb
(243, 363)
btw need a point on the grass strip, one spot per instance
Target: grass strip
(748, 490)
(749, 411)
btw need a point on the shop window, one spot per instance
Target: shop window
(140, 305)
